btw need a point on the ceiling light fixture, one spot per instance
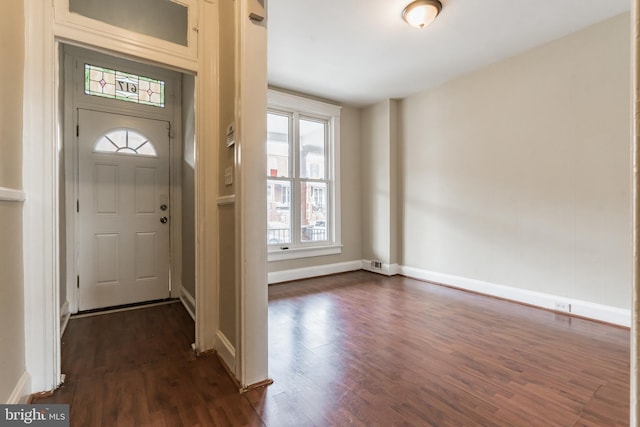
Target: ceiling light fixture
(421, 13)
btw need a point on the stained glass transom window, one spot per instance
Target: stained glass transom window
(114, 84)
(125, 141)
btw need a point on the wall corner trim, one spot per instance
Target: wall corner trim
(226, 351)
(315, 271)
(22, 390)
(586, 309)
(189, 302)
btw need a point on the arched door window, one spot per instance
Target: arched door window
(125, 141)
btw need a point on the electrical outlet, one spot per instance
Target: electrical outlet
(562, 306)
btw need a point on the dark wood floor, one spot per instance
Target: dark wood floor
(356, 349)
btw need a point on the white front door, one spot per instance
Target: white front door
(123, 206)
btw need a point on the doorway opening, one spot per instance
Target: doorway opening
(126, 183)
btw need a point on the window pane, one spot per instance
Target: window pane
(125, 141)
(114, 84)
(313, 211)
(278, 212)
(163, 19)
(312, 142)
(277, 145)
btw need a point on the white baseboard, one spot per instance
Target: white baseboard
(387, 269)
(22, 390)
(64, 317)
(603, 313)
(226, 351)
(315, 271)
(189, 302)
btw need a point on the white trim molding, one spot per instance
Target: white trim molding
(74, 26)
(296, 252)
(315, 271)
(226, 200)
(11, 195)
(22, 390)
(40, 212)
(226, 351)
(386, 269)
(590, 310)
(188, 301)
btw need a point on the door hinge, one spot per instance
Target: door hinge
(77, 205)
(77, 130)
(170, 130)
(78, 281)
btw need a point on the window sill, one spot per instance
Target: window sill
(303, 252)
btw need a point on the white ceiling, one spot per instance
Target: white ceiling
(361, 51)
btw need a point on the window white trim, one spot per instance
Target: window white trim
(303, 252)
(285, 102)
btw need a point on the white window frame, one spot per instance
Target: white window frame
(285, 103)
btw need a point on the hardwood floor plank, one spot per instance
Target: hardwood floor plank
(355, 349)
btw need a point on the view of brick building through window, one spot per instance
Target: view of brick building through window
(296, 158)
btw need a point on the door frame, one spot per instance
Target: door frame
(41, 145)
(74, 100)
(41, 170)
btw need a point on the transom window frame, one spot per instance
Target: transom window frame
(305, 108)
(74, 26)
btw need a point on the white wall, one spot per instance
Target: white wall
(518, 174)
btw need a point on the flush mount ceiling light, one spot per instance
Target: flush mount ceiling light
(421, 13)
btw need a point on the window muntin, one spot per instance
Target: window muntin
(114, 84)
(125, 141)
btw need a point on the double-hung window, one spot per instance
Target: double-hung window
(303, 192)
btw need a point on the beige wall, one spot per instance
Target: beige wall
(188, 186)
(227, 294)
(226, 214)
(379, 182)
(518, 174)
(349, 197)
(12, 340)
